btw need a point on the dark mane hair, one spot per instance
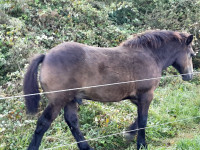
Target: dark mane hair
(154, 39)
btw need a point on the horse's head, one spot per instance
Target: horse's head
(183, 62)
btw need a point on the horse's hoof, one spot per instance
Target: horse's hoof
(128, 137)
(142, 146)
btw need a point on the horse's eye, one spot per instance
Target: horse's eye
(192, 54)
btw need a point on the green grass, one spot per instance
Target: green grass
(174, 101)
(189, 144)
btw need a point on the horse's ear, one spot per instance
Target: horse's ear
(189, 39)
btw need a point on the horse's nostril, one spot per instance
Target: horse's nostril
(187, 77)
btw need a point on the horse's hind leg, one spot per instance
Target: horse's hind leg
(131, 131)
(70, 114)
(43, 123)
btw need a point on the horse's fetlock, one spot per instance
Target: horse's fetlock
(85, 146)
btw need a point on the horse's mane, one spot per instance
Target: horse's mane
(154, 39)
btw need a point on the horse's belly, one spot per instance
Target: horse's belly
(107, 94)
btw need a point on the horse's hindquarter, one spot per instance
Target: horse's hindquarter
(60, 70)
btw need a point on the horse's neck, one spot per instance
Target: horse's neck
(165, 56)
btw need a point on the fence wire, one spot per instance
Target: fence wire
(96, 86)
(124, 132)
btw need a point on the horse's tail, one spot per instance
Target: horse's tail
(30, 85)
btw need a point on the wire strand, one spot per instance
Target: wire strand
(93, 139)
(95, 86)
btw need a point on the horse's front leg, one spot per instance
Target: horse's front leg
(143, 107)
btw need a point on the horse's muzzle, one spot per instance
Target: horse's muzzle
(187, 77)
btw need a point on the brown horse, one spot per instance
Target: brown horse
(72, 65)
